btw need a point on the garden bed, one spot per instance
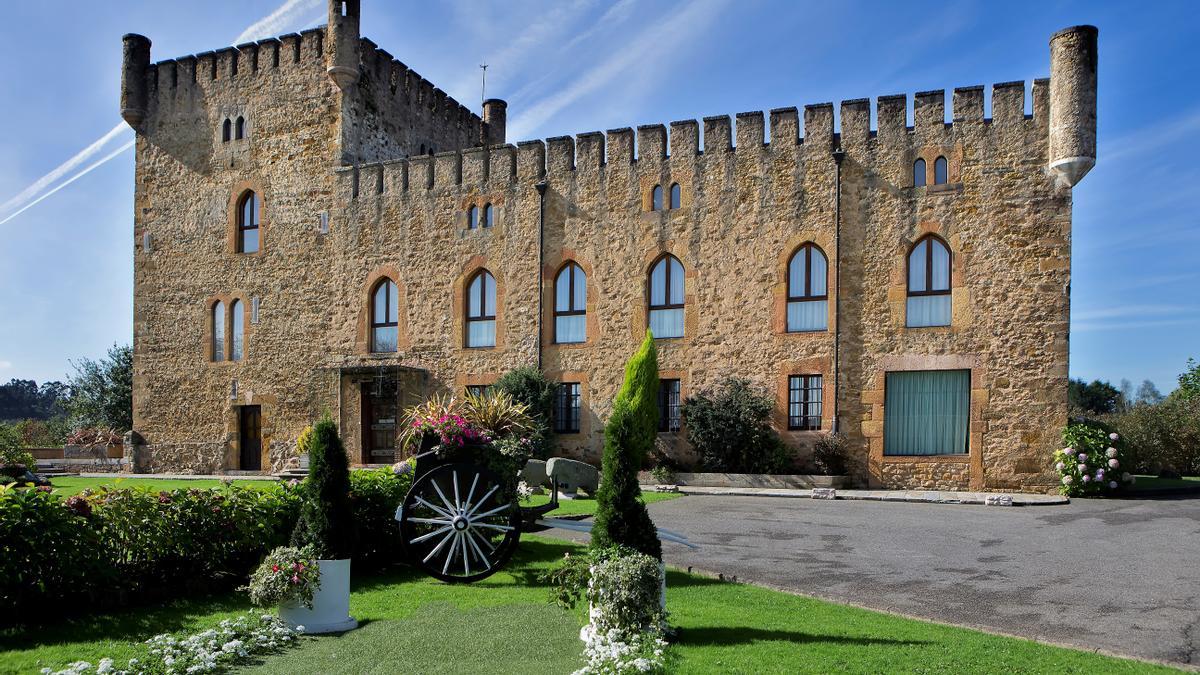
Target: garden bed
(795, 481)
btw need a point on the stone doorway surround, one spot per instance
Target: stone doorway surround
(412, 387)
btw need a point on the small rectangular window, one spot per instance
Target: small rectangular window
(668, 405)
(566, 408)
(804, 402)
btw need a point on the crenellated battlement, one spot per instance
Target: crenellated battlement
(752, 134)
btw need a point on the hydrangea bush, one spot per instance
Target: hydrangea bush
(1093, 462)
(287, 574)
(232, 642)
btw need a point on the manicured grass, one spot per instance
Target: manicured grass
(1149, 483)
(505, 624)
(73, 485)
(581, 507)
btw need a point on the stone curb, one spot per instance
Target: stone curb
(915, 496)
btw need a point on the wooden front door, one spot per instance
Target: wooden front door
(379, 410)
(250, 438)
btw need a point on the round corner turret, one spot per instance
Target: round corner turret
(1073, 61)
(135, 63)
(495, 119)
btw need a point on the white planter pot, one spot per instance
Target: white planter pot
(330, 612)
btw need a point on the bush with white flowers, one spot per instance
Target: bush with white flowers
(233, 641)
(1093, 462)
(626, 623)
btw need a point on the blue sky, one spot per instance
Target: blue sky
(569, 66)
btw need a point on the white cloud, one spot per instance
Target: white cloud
(5, 365)
(1152, 137)
(644, 52)
(1131, 310)
(285, 18)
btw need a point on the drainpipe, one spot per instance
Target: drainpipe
(838, 156)
(541, 282)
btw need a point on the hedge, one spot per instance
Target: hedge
(117, 547)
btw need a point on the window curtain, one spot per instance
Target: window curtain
(926, 412)
(481, 333)
(666, 323)
(806, 315)
(928, 310)
(570, 329)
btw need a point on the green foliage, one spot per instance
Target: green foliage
(1094, 461)
(326, 521)
(287, 574)
(529, 386)
(12, 448)
(1163, 436)
(830, 454)
(621, 516)
(499, 415)
(730, 429)
(1095, 398)
(1189, 382)
(102, 391)
(374, 496)
(24, 399)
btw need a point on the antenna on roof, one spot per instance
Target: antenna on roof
(483, 86)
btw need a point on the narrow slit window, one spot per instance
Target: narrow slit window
(488, 215)
(226, 131)
(940, 173)
(472, 217)
(919, 173)
(218, 331)
(675, 195)
(248, 230)
(237, 327)
(239, 129)
(656, 198)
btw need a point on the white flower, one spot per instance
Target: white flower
(1111, 452)
(1112, 463)
(105, 666)
(1082, 468)
(1059, 466)
(1113, 436)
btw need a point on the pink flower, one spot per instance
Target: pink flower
(295, 579)
(1112, 464)
(1086, 478)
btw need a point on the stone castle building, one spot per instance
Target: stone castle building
(318, 228)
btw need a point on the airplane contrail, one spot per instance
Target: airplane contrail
(276, 22)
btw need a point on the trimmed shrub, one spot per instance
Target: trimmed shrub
(529, 386)
(1162, 436)
(326, 521)
(830, 454)
(621, 516)
(374, 496)
(1094, 461)
(730, 428)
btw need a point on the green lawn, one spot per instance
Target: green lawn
(578, 507)
(72, 485)
(505, 625)
(1149, 483)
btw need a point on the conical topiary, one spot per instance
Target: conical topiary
(326, 521)
(621, 517)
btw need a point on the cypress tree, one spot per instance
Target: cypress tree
(621, 517)
(326, 521)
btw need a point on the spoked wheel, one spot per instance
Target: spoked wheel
(458, 523)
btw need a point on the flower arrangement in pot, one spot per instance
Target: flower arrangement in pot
(324, 530)
(287, 576)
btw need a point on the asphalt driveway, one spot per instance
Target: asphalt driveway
(1121, 576)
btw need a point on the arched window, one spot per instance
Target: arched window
(218, 331)
(570, 305)
(919, 173)
(422, 149)
(247, 234)
(666, 297)
(675, 195)
(807, 290)
(385, 316)
(487, 215)
(481, 310)
(928, 283)
(939, 171)
(472, 217)
(226, 130)
(238, 326)
(239, 129)
(656, 198)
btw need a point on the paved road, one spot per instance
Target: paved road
(1121, 576)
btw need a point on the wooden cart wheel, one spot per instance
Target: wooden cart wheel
(458, 525)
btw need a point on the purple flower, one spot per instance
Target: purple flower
(1113, 436)
(1086, 478)
(1112, 485)
(1083, 456)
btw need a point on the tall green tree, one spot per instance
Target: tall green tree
(1096, 397)
(1189, 382)
(102, 390)
(326, 518)
(621, 516)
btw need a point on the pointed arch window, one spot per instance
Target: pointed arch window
(217, 339)
(928, 283)
(237, 324)
(676, 194)
(239, 128)
(666, 297)
(247, 229)
(481, 310)
(570, 305)
(656, 198)
(807, 290)
(919, 173)
(940, 171)
(226, 130)
(472, 217)
(385, 317)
